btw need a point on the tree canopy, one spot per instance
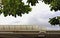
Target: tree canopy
(54, 5)
(17, 7)
(55, 20)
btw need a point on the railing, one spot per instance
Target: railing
(19, 28)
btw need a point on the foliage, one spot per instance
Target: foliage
(32, 2)
(17, 7)
(54, 4)
(54, 21)
(14, 7)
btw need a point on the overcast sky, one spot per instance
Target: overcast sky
(39, 15)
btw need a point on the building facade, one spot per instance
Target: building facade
(27, 31)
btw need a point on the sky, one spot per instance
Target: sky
(39, 15)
